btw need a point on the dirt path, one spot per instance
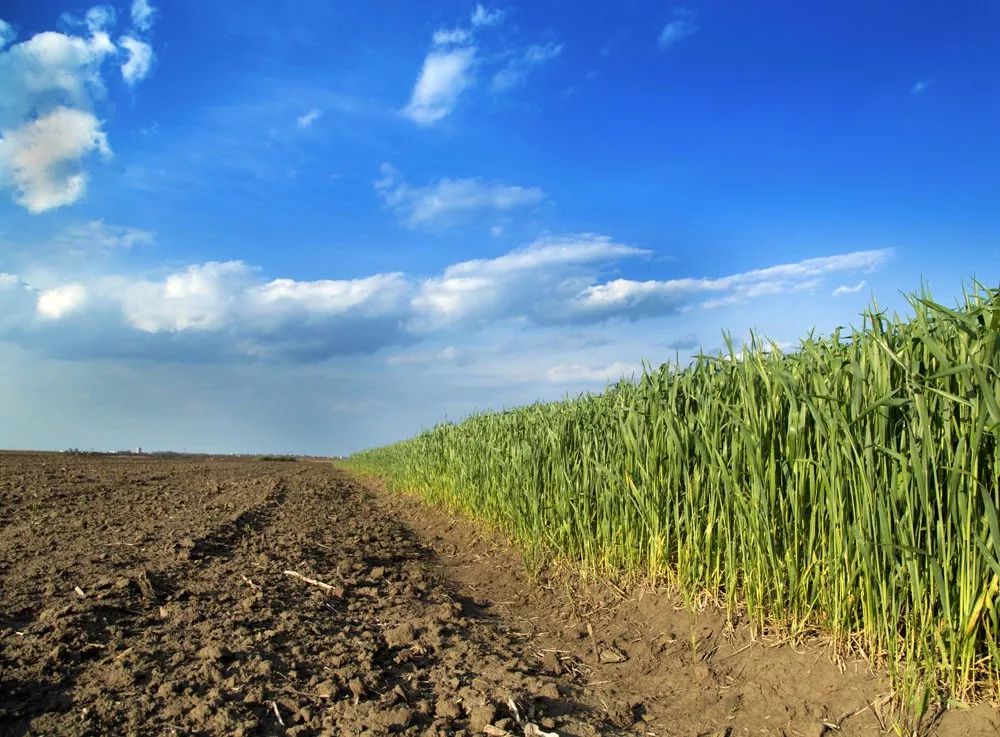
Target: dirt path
(142, 596)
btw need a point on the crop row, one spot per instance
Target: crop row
(848, 486)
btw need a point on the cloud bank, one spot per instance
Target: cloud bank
(219, 310)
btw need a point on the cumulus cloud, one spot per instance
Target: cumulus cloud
(48, 71)
(447, 201)
(537, 282)
(215, 310)
(307, 119)
(374, 295)
(198, 298)
(682, 26)
(43, 159)
(220, 310)
(49, 87)
(142, 14)
(61, 301)
(312, 320)
(139, 62)
(517, 69)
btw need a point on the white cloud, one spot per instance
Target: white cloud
(49, 87)
(198, 298)
(43, 159)
(96, 234)
(920, 86)
(549, 252)
(449, 200)
(681, 27)
(539, 53)
(451, 37)
(443, 78)
(374, 295)
(50, 70)
(140, 59)
(537, 282)
(628, 298)
(7, 33)
(142, 14)
(516, 71)
(307, 119)
(845, 289)
(100, 18)
(60, 301)
(482, 16)
(449, 68)
(222, 310)
(228, 298)
(580, 373)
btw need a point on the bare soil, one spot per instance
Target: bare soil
(145, 596)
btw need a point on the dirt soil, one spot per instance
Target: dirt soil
(212, 596)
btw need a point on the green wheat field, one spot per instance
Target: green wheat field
(848, 487)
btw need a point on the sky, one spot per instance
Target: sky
(318, 226)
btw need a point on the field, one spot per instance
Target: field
(149, 596)
(849, 487)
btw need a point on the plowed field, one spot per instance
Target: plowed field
(213, 596)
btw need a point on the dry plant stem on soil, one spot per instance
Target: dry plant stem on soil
(312, 581)
(849, 486)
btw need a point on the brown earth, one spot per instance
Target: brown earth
(146, 596)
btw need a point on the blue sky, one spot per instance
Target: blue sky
(317, 226)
